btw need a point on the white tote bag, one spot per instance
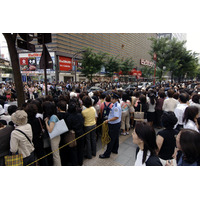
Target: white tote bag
(59, 128)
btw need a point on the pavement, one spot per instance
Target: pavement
(125, 156)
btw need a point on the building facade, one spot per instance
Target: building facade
(65, 45)
(178, 36)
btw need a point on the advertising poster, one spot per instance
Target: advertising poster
(65, 63)
(30, 61)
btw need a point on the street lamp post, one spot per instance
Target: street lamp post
(73, 57)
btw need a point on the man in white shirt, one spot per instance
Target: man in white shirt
(170, 103)
(180, 109)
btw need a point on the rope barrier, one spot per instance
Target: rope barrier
(65, 144)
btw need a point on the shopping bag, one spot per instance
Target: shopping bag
(14, 160)
(59, 128)
(139, 116)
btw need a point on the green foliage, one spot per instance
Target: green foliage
(112, 64)
(174, 56)
(91, 63)
(147, 72)
(126, 66)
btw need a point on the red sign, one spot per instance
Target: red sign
(134, 72)
(65, 63)
(139, 73)
(23, 61)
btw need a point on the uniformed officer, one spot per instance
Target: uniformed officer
(114, 123)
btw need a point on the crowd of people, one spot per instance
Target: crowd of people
(173, 109)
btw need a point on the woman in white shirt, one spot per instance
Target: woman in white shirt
(190, 118)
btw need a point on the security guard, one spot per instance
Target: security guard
(114, 123)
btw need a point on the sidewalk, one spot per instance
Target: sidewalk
(125, 156)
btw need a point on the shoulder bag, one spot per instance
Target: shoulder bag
(70, 138)
(139, 116)
(16, 159)
(59, 128)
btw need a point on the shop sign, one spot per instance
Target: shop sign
(23, 61)
(65, 63)
(146, 62)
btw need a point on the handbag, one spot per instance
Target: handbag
(70, 136)
(45, 136)
(14, 160)
(139, 116)
(59, 128)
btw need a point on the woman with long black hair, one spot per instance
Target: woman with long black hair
(145, 137)
(190, 118)
(50, 119)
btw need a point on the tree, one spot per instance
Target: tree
(147, 71)
(92, 63)
(11, 41)
(112, 64)
(126, 66)
(174, 56)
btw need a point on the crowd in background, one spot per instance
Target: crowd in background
(174, 109)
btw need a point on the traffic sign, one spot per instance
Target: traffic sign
(45, 60)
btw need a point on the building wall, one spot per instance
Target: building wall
(123, 45)
(135, 45)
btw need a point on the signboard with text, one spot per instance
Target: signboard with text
(30, 61)
(65, 63)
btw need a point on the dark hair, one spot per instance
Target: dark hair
(147, 134)
(87, 101)
(62, 105)
(72, 107)
(168, 120)
(195, 98)
(184, 97)
(143, 99)
(152, 98)
(176, 95)
(12, 109)
(31, 110)
(161, 94)
(38, 103)
(96, 99)
(125, 97)
(190, 113)
(170, 93)
(103, 96)
(136, 94)
(188, 145)
(108, 98)
(2, 102)
(49, 109)
(77, 90)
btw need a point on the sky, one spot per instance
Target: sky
(193, 42)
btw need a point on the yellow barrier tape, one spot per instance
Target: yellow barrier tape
(65, 145)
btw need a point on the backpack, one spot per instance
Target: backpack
(106, 111)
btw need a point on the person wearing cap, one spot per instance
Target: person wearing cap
(114, 123)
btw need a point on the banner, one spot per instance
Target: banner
(65, 63)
